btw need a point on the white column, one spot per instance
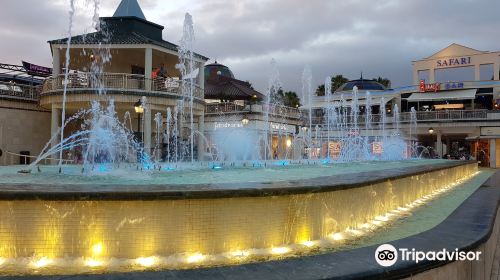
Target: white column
(493, 153)
(496, 70)
(56, 61)
(147, 128)
(201, 140)
(148, 66)
(477, 72)
(54, 127)
(201, 76)
(439, 144)
(415, 77)
(432, 78)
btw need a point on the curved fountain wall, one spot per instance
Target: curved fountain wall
(136, 225)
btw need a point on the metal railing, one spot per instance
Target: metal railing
(116, 82)
(431, 116)
(231, 107)
(20, 91)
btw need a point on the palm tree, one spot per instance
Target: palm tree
(337, 81)
(384, 81)
(291, 99)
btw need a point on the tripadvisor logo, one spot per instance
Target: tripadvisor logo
(387, 255)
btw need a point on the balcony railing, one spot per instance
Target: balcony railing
(118, 82)
(432, 116)
(231, 107)
(19, 91)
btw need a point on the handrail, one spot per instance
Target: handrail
(260, 107)
(20, 91)
(428, 116)
(116, 81)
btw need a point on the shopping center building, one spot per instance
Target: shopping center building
(456, 96)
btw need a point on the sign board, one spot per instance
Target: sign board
(377, 148)
(220, 125)
(453, 85)
(423, 87)
(172, 82)
(490, 130)
(453, 62)
(37, 70)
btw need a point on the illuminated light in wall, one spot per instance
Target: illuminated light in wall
(280, 250)
(337, 236)
(97, 249)
(2, 260)
(365, 225)
(197, 257)
(43, 261)
(355, 232)
(308, 243)
(93, 263)
(382, 218)
(146, 261)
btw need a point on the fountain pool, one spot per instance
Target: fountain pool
(73, 223)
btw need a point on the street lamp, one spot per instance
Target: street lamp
(139, 109)
(245, 120)
(431, 130)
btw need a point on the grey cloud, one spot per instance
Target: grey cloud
(380, 38)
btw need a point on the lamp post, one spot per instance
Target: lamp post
(139, 109)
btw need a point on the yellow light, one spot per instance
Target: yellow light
(2, 260)
(195, 258)
(308, 243)
(337, 236)
(355, 232)
(93, 263)
(280, 250)
(43, 261)
(288, 143)
(382, 218)
(97, 249)
(146, 261)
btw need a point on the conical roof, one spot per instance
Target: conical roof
(129, 8)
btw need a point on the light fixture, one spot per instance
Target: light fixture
(431, 130)
(389, 110)
(288, 142)
(304, 128)
(139, 108)
(244, 120)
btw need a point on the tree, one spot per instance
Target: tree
(291, 99)
(384, 81)
(337, 81)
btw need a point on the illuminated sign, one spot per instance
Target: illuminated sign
(334, 149)
(278, 126)
(454, 61)
(423, 87)
(453, 85)
(219, 125)
(377, 148)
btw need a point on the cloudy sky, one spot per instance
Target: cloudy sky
(380, 37)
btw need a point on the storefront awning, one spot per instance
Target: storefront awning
(443, 95)
(362, 102)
